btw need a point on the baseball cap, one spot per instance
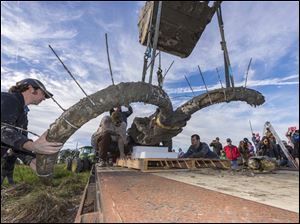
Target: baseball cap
(35, 84)
(228, 140)
(246, 140)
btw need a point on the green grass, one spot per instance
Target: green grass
(32, 199)
(24, 174)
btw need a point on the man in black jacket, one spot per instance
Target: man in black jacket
(14, 109)
(199, 149)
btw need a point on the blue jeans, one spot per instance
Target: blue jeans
(234, 164)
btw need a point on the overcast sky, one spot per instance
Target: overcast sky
(266, 31)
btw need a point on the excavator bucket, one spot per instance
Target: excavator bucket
(181, 24)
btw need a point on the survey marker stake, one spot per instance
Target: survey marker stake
(42, 88)
(168, 69)
(21, 129)
(72, 76)
(204, 84)
(189, 85)
(73, 126)
(247, 72)
(108, 58)
(221, 83)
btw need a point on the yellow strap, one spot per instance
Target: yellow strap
(160, 125)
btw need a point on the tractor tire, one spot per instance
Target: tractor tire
(69, 164)
(86, 164)
(77, 165)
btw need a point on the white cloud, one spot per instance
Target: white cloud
(250, 83)
(108, 26)
(265, 31)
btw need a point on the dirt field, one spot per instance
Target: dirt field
(279, 189)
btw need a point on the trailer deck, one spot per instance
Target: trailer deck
(125, 195)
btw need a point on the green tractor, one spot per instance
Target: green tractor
(63, 155)
(83, 161)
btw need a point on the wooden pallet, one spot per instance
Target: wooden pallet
(152, 165)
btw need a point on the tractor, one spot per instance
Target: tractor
(83, 161)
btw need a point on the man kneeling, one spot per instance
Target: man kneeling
(199, 149)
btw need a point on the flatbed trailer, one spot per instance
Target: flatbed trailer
(118, 194)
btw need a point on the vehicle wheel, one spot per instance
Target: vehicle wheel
(77, 165)
(69, 164)
(86, 164)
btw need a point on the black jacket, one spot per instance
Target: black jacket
(202, 151)
(13, 112)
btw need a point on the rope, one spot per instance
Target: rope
(69, 123)
(160, 125)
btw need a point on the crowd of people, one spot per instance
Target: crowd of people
(265, 146)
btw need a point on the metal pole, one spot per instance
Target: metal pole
(247, 72)
(219, 78)
(221, 83)
(21, 129)
(168, 69)
(50, 96)
(251, 128)
(159, 72)
(204, 84)
(144, 68)
(159, 59)
(189, 85)
(111, 74)
(73, 126)
(227, 76)
(284, 149)
(151, 61)
(71, 75)
(228, 71)
(155, 39)
(231, 79)
(146, 55)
